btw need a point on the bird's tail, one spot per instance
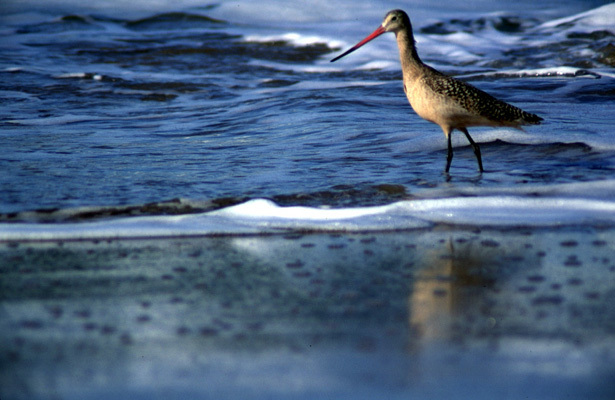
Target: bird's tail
(531, 119)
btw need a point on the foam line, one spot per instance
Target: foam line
(262, 216)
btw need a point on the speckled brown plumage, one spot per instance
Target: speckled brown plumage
(477, 101)
(441, 99)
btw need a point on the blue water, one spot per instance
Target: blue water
(336, 259)
(113, 104)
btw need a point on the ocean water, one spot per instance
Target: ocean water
(196, 203)
(115, 105)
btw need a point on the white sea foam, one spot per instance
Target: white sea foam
(79, 75)
(537, 72)
(293, 38)
(262, 216)
(64, 119)
(588, 190)
(589, 21)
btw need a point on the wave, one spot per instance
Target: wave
(263, 217)
(563, 71)
(225, 76)
(174, 21)
(600, 18)
(66, 23)
(493, 40)
(499, 40)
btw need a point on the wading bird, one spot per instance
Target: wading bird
(441, 99)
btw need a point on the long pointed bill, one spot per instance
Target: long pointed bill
(372, 36)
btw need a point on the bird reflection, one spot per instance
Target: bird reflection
(450, 287)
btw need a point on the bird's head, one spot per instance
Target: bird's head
(394, 21)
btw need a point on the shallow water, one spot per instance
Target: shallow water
(201, 103)
(445, 313)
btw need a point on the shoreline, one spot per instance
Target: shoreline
(422, 312)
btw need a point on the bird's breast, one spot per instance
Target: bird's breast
(427, 104)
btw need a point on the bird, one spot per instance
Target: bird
(441, 99)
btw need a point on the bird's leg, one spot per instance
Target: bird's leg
(475, 147)
(449, 156)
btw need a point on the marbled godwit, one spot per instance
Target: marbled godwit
(441, 99)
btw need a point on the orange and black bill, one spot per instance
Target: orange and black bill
(372, 36)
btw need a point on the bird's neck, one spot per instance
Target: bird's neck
(411, 64)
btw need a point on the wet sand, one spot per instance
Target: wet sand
(437, 313)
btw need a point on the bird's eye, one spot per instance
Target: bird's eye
(394, 19)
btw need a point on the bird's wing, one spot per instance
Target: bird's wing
(477, 101)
